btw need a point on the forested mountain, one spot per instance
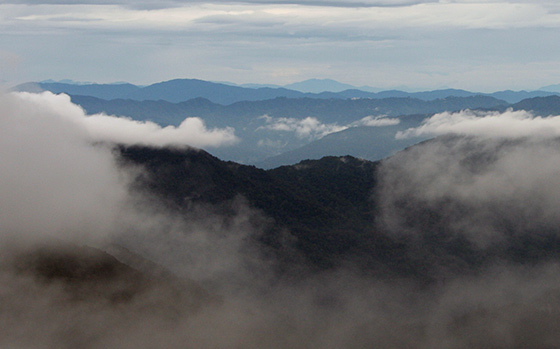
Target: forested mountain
(335, 210)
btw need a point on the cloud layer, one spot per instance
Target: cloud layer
(510, 124)
(487, 176)
(104, 128)
(378, 121)
(484, 189)
(310, 128)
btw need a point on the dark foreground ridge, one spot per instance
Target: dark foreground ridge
(87, 274)
(333, 211)
(325, 204)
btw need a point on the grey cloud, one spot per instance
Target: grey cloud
(484, 190)
(338, 3)
(174, 3)
(53, 183)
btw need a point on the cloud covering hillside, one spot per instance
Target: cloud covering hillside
(475, 212)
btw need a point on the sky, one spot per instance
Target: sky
(482, 46)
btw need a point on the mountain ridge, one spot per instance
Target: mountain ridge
(179, 90)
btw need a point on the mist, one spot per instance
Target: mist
(200, 278)
(490, 125)
(491, 175)
(109, 128)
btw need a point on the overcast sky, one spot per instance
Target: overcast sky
(476, 45)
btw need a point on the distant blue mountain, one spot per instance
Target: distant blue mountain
(255, 114)
(260, 85)
(551, 88)
(319, 85)
(71, 82)
(375, 143)
(370, 143)
(327, 85)
(517, 96)
(542, 106)
(103, 91)
(180, 90)
(252, 120)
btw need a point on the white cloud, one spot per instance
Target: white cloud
(52, 182)
(55, 182)
(105, 128)
(484, 189)
(309, 127)
(377, 121)
(510, 124)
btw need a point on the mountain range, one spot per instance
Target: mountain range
(278, 126)
(180, 90)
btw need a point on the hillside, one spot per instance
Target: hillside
(334, 209)
(325, 222)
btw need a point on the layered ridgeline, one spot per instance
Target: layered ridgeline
(180, 90)
(284, 131)
(278, 126)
